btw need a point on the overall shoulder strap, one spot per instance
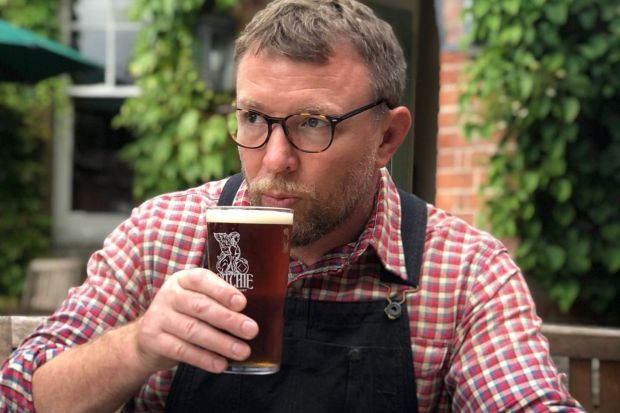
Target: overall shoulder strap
(413, 233)
(230, 190)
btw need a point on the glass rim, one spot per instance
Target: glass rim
(252, 208)
(239, 214)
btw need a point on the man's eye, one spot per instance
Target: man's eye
(314, 122)
(251, 118)
(254, 118)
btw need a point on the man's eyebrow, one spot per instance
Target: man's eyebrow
(317, 109)
(313, 108)
(249, 103)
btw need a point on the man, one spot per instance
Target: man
(318, 86)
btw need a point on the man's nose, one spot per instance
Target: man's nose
(280, 155)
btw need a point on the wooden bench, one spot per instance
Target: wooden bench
(13, 329)
(593, 363)
(597, 389)
(47, 282)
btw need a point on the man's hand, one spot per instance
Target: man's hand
(195, 318)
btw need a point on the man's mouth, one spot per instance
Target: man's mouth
(279, 200)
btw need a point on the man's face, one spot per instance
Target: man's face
(322, 188)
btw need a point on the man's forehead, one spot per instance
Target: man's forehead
(327, 88)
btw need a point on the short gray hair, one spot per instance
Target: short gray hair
(307, 30)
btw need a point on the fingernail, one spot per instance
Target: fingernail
(237, 301)
(238, 349)
(220, 364)
(249, 328)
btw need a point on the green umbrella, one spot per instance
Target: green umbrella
(29, 57)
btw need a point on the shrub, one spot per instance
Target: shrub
(546, 81)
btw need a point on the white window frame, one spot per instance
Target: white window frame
(74, 228)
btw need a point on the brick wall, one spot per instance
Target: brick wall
(461, 164)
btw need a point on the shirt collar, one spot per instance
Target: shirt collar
(383, 228)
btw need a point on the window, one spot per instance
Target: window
(101, 181)
(215, 37)
(102, 31)
(92, 186)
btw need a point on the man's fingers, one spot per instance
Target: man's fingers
(177, 349)
(195, 319)
(206, 282)
(205, 336)
(199, 306)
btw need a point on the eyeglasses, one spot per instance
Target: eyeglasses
(307, 132)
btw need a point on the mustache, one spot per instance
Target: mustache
(280, 184)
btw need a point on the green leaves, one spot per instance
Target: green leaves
(188, 124)
(595, 47)
(182, 140)
(561, 189)
(511, 6)
(556, 12)
(565, 293)
(546, 73)
(25, 134)
(571, 108)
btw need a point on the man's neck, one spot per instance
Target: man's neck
(348, 231)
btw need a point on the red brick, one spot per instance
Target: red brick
(447, 202)
(449, 76)
(454, 179)
(468, 217)
(469, 201)
(448, 119)
(448, 96)
(480, 176)
(452, 57)
(446, 159)
(452, 140)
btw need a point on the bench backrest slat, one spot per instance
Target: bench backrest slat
(609, 382)
(14, 329)
(579, 344)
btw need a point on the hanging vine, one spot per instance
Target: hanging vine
(180, 130)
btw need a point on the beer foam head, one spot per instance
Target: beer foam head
(253, 215)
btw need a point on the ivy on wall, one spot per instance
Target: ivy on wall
(25, 132)
(181, 132)
(546, 81)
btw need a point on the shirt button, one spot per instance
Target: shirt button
(355, 354)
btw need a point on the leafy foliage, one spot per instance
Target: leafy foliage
(179, 124)
(546, 81)
(25, 128)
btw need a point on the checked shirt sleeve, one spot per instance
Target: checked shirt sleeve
(111, 295)
(501, 360)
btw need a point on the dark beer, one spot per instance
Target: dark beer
(249, 248)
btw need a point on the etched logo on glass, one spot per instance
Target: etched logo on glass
(231, 266)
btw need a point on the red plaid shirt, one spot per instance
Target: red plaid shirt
(475, 337)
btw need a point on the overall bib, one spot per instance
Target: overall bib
(337, 356)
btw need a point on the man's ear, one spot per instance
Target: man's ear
(395, 127)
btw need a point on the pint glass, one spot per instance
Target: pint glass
(249, 247)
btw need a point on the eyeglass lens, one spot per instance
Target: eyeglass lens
(312, 133)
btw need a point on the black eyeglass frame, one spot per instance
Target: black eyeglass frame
(333, 121)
